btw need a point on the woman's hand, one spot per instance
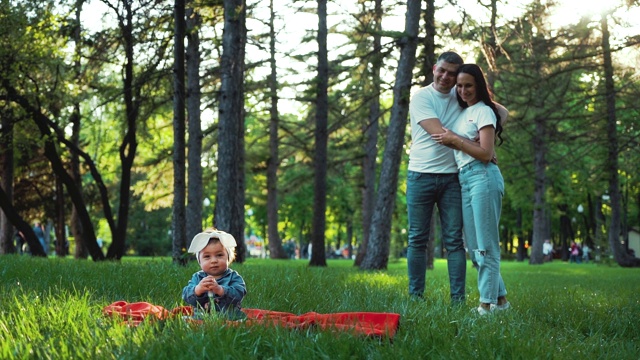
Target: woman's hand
(447, 138)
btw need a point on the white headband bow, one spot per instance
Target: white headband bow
(202, 239)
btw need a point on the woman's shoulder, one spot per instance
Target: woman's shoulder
(482, 109)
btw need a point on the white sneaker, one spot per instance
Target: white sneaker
(504, 306)
(482, 311)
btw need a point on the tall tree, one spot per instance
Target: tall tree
(179, 176)
(370, 130)
(6, 182)
(318, 257)
(428, 60)
(22, 226)
(548, 110)
(275, 242)
(74, 222)
(428, 56)
(57, 165)
(620, 254)
(135, 26)
(37, 92)
(194, 145)
(229, 208)
(129, 143)
(379, 238)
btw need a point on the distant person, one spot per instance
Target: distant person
(38, 229)
(547, 250)
(585, 253)
(215, 287)
(481, 181)
(19, 240)
(575, 255)
(290, 249)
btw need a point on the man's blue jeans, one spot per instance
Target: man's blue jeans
(423, 192)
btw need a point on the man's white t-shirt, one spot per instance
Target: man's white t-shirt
(468, 125)
(426, 155)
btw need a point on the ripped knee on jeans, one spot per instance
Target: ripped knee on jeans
(479, 255)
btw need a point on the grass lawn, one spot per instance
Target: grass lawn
(52, 309)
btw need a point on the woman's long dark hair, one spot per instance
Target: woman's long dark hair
(482, 92)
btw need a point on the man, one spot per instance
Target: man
(433, 179)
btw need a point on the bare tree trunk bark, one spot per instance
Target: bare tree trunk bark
(229, 206)
(371, 137)
(318, 256)
(61, 241)
(378, 250)
(129, 145)
(275, 243)
(51, 153)
(6, 182)
(429, 44)
(80, 251)
(621, 256)
(21, 225)
(194, 146)
(179, 134)
(539, 202)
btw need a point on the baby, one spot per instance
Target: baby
(215, 286)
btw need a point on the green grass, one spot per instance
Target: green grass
(52, 309)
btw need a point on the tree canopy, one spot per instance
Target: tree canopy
(90, 129)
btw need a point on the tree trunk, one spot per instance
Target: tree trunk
(179, 189)
(622, 257)
(129, 143)
(51, 153)
(229, 205)
(539, 203)
(519, 233)
(275, 243)
(378, 250)
(194, 145)
(81, 251)
(490, 48)
(318, 256)
(6, 182)
(21, 225)
(429, 59)
(61, 240)
(371, 137)
(429, 44)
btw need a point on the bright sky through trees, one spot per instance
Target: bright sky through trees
(294, 24)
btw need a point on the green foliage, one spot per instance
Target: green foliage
(148, 233)
(54, 311)
(541, 72)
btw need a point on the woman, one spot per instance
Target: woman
(480, 180)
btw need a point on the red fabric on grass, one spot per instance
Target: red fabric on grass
(363, 323)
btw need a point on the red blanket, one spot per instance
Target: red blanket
(364, 323)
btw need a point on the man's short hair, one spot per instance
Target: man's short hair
(450, 57)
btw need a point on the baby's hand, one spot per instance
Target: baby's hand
(208, 284)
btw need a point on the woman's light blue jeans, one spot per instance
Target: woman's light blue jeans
(482, 190)
(424, 191)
